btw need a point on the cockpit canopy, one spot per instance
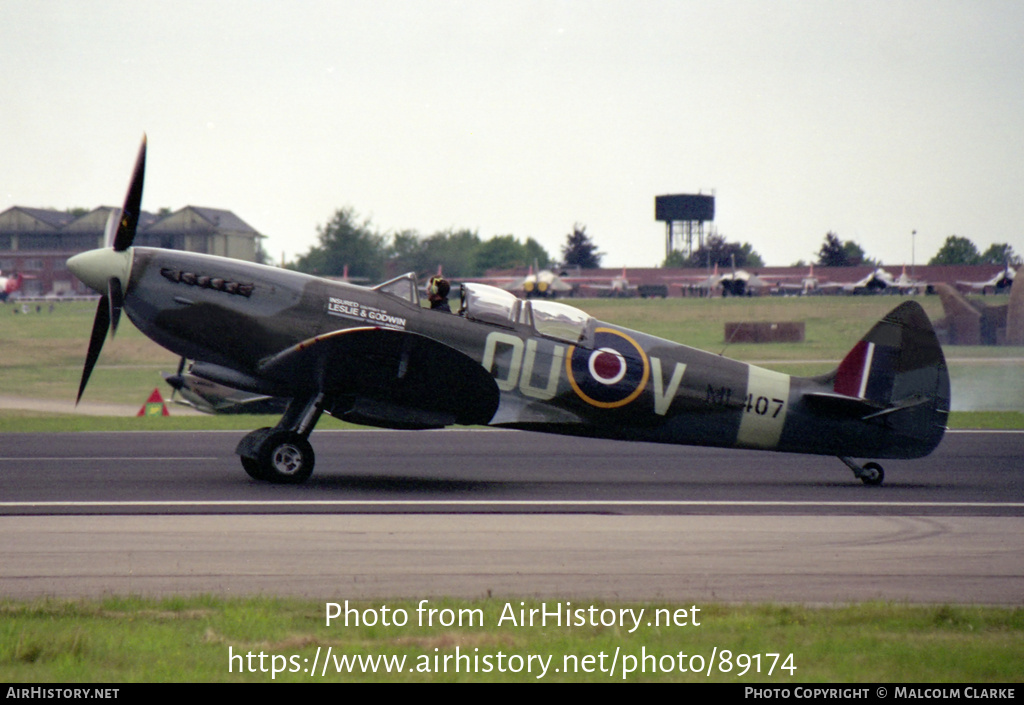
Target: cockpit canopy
(489, 304)
(557, 320)
(402, 287)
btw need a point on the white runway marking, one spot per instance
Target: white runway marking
(439, 504)
(69, 458)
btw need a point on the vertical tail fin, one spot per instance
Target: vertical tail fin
(899, 368)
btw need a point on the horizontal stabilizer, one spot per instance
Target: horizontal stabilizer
(901, 405)
(841, 404)
(864, 409)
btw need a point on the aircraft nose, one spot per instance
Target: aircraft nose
(96, 268)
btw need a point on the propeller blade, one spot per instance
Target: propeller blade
(113, 218)
(115, 299)
(99, 334)
(132, 203)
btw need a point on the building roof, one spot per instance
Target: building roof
(216, 218)
(52, 218)
(223, 219)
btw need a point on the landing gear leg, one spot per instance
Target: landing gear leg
(282, 454)
(869, 473)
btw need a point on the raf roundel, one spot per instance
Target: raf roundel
(611, 374)
(607, 366)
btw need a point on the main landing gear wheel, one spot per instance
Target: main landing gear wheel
(282, 454)
(870, 474)
(279, 456)
(286, 458)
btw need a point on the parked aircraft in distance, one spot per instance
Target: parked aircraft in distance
(997, 284)
(543, 284)
(906, 284)
(808, 284)
(737, 282)
(875, 282)
(9, 285)
(616, 287)
(741, 283)
(376, 356)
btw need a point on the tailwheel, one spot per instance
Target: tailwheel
(870, 474)
(873, 474)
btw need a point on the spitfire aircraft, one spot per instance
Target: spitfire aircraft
(376, 356)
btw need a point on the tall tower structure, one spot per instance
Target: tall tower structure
(684, 216)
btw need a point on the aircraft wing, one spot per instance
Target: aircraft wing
(389, 378)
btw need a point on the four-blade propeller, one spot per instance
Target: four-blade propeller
(108, 312)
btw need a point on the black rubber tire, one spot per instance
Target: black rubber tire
(285, 458)
(875, 476)
(253, 469)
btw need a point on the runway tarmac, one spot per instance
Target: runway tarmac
(476, 513)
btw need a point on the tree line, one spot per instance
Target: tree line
(716, 251)
(351, 244)
(960, 250)
(835, 252)
(956, 250)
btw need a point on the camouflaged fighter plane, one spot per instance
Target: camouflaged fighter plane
(375, 356)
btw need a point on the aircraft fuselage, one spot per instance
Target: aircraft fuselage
(608, 382)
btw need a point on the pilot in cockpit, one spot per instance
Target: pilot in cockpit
(437, 293)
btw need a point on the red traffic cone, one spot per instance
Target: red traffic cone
(154, 406)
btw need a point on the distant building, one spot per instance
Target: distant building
(37, 242)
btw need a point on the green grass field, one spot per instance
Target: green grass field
(125, 640)
(41, 356)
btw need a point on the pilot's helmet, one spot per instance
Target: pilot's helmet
(439, 287)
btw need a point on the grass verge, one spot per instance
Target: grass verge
(127, 640)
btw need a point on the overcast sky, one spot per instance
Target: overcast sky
(868, 118)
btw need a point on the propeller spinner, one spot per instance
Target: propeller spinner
(106, 270)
